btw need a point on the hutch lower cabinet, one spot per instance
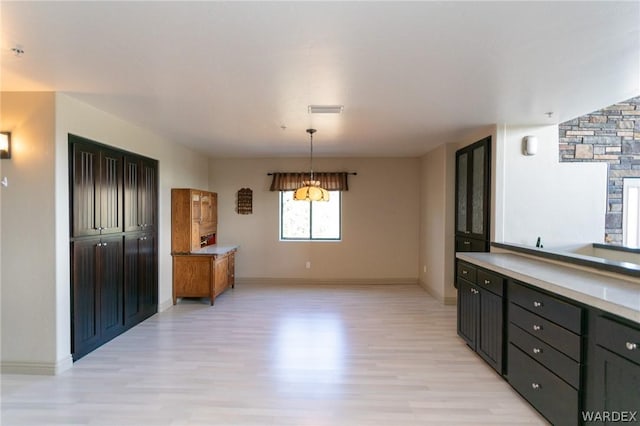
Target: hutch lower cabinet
(202, 275)
(114, 260)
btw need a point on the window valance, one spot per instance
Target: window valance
(331, 181)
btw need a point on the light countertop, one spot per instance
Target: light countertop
(214, 250)
(618, 296)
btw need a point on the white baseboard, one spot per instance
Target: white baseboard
(444, 300)
(38, 368)
(312, 281)
(164, 305)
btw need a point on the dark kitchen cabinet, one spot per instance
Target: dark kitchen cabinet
(614, 370)
(473, 187)
(545, 352)
(480, 312)
(97, 191)
(114, 262)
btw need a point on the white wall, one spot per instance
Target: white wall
(436, 222)
(35, 218)
(437, 214)
(563, 203)
(380, 220)
(28, 232)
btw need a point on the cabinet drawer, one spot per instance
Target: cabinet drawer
(550, 333)
(465, 244)
(554, 398)
(562, 313)
(492, 282)
(467, 271)
(618, 338)
(560, 364)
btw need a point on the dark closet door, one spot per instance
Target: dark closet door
(85, 189)
(140, 278)
(96, 177)
(110, 279)
(140, 194)
(110, 191)
(148, 194)
(85, 314)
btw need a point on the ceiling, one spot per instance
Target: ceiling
(234, 79)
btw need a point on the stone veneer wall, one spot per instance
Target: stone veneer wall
(610, 135)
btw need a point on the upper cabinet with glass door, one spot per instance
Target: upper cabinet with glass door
(472, 196)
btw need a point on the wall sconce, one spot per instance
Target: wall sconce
(5, 145)
(530, 145)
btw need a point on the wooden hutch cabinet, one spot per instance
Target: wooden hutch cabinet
(114, 263)
(201, 268)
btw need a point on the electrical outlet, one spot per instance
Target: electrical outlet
(308, 264)
(424, 268)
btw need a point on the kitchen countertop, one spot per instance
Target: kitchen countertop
(614, 295)
(214, 250)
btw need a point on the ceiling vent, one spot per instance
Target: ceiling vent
(325, 109)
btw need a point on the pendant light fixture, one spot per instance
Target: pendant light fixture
(311, 191)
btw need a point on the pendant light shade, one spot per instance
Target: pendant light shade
(311, 190)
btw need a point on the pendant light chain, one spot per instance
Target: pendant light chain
(311, 132)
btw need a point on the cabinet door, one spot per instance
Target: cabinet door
(616, 385)
(472, 193)
(140, 278)
(148, 278)
(97, 291)
(140, 194)
(462, 194)
(221, 274)
(196, 219)
(232, 270)
(489, 339)
(148, 194)
(111, 279)
(478, 197)
(132, 187)
(85, 318)
(85, 173)
(111, 189)
(468, 310)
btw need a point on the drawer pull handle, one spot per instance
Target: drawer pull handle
(631, 346)
(536, 386)
(537, 304)
(537, 350)
(465, 272)
(487, 282)
(537, 327)
(466, 243)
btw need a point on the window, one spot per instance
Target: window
(310, 220)
(631, 212)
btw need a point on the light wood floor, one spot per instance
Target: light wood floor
(279, 355)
